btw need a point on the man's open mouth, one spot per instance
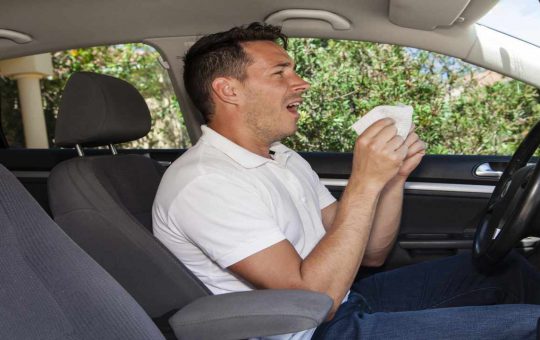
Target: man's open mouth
(293, 107)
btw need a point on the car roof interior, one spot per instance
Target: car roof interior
(171, 26)
(56, 25)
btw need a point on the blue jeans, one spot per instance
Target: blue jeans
(443, 299)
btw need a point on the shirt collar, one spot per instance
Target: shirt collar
(242, 156)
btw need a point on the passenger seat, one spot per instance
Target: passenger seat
(104, 204)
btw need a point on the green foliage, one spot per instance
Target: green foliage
(459, 108)
(454, 114)
(134, 63)
(489, 120)
(138, 65)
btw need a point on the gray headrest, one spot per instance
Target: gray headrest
(98, 110)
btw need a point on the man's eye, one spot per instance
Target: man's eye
(279, 72)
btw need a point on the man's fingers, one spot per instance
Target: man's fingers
(376, 127)
(402, 151)
(411, 163)
(395, 143)
(411, 139)
(386, 134)
(415, 148)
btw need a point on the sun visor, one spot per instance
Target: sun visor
(428, 15)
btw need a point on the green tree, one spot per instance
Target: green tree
(456, 112)
(137, 64)
(453, 113)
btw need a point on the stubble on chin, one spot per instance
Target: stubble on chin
(270, 131)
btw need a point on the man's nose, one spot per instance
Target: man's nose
(300, 85)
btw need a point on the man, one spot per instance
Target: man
(243, 211)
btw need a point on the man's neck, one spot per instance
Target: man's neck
(245, 139)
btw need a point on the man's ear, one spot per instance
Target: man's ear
(225, 90)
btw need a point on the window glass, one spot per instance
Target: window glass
(458, 108)
(137, 64)
(517, 18)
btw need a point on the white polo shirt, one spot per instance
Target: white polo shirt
(220, 203)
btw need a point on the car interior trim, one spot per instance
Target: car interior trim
(406, 13)
(17, 37)
(31, 174)
(333, 182)
(470, 188)
(338, 22)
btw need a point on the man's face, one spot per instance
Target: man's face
(271, 91)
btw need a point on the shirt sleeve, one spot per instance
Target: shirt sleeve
(323, 194)
(325, 197)
(228, 220)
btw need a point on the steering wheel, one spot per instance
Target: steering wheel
(510, 214)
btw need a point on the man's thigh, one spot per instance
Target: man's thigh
(449, 282)
(472, 322)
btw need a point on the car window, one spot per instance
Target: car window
(137, 63)
(517, 18)
(458, 108)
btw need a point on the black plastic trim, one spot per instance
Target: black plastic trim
(434, 168)
(46, 159)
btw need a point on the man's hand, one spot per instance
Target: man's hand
(388, 214)
(379, 153)
(333, 263)
(416, 150)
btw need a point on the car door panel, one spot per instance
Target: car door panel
(443, 203)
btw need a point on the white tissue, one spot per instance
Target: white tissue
(401, 114)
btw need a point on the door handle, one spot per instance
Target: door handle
(485, 170)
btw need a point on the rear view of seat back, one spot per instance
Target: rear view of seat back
(104, 202)
(51, 289)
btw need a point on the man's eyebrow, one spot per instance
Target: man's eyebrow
(284, 64)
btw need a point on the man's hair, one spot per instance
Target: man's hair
(221, 55)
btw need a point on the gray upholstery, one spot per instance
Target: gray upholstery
(130, 181)
(51, 289)
(104, 204)
(242, 315)
(98, 110)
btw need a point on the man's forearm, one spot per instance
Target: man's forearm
(386, 223)
(333, 263)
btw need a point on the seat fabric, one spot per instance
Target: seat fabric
(51, 289)
(104, 204)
